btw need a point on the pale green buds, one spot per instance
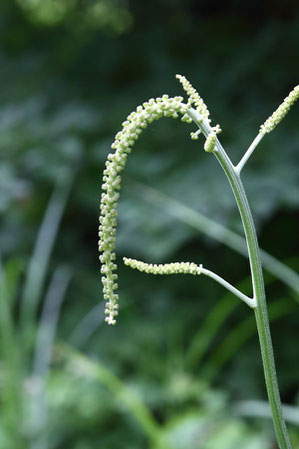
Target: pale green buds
(210, 142)
(201, 108)
(167, 268)
(194, 97)
(124, 140)
(280, 112)
(211, 139)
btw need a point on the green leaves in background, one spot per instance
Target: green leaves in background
(70, 72)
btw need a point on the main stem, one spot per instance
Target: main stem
(261, 313)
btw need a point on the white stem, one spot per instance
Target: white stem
(251, 302)
(248, 153)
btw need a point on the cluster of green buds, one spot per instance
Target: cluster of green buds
(136, 122)
(194, 97)
(199, 105)
(211, 139)
(280, 112)
(167, 268)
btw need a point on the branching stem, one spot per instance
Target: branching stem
(124, 140)
(261, 313)
(251, 302)
(187, 268)
(248, 153)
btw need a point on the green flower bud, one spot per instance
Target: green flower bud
(280, 112)
(194, 97)
(211, 139)
(167, 268)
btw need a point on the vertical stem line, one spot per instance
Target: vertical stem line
(261, 313)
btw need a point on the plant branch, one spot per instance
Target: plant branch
(187, 268)
(249, 152)
(251, 302)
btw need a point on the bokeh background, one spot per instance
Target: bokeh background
(182, 367)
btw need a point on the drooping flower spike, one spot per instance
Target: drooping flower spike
(124, 140)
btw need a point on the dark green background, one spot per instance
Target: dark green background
(70, 73)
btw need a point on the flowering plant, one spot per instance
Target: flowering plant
(195, 111)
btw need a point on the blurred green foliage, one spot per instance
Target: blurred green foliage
(169, 373)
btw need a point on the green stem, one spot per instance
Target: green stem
(249, 301)
(261, 313)
(174, 268)
(249, 152)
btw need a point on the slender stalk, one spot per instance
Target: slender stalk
(249, 301)
(249, 152)
(261, 313)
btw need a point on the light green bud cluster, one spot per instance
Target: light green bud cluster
(280, 112)
(200, 106)
(211, 139)
(124, 140)
(167, 268)
(194, 97)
